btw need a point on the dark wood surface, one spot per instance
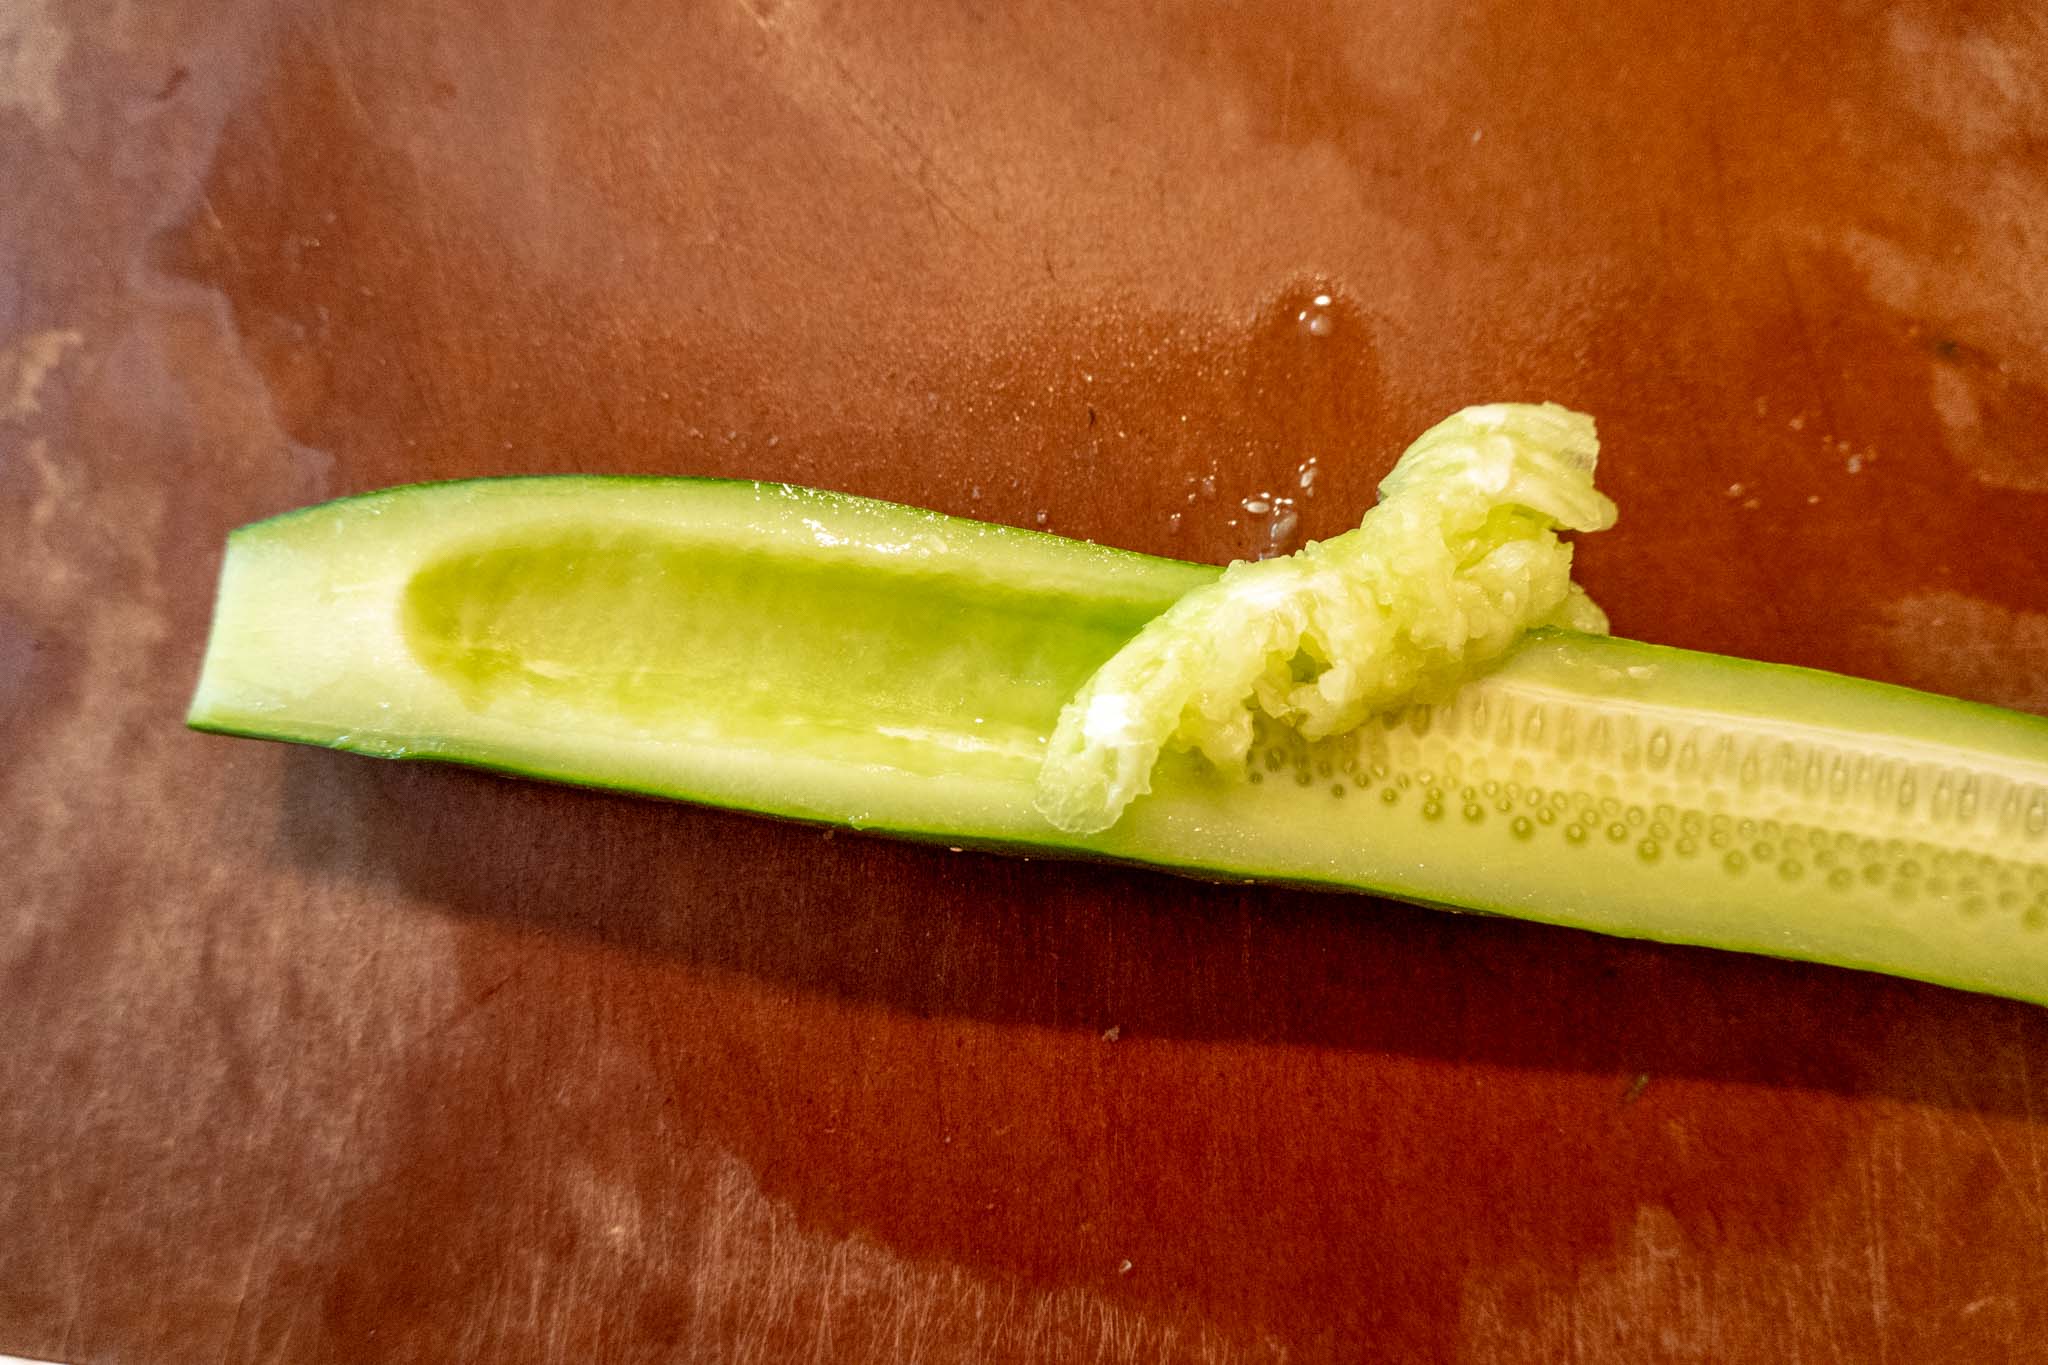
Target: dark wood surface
(306, 1057)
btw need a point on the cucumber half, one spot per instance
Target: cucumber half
(834, 659)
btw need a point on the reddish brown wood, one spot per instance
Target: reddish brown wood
(304, 1057)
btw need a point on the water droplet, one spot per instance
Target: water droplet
(1316, 318)
(1280, 534)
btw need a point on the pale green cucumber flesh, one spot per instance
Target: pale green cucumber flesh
(828, 658)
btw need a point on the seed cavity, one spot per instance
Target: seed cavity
(1666, 790)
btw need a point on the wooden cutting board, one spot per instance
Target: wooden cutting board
(306, 1057)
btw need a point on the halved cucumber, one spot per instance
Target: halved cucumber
(829, 658)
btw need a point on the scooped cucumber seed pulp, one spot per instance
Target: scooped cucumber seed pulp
(1425, 707)
(1459, 559)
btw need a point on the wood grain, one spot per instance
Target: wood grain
(305, 1057)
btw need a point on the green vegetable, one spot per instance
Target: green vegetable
(834, 659)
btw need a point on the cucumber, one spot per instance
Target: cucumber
(828, 658)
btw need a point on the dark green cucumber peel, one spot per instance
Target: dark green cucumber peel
(832, 659)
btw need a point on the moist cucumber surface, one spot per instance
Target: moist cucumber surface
(829, 658)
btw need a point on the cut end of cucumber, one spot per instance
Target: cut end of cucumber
(1458, 560)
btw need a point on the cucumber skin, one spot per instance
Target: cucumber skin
(1156, 582)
